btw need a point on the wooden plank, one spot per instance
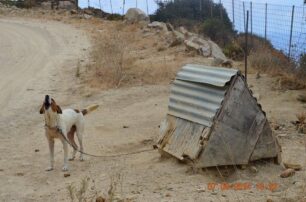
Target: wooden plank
(236, 130)
(266, 146)
(182, 138)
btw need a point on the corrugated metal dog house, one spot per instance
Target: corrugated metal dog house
(213, 119)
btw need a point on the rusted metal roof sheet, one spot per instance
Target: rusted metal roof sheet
(208, 75)
(197, 93)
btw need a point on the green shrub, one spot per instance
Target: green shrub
(302, 63)
(217, 31)
(234, 51)
(114, 17)
(193, 13)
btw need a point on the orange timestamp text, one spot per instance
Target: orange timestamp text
(242, 186)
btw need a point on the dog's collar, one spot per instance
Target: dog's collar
(56, 128)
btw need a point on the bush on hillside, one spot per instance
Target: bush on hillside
(235, 48)
(217, 31)
(302, 63)
(203, 16)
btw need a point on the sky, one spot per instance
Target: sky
(117, 5)
(278, 18)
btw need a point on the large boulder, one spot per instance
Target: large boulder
(217, 54)
(199, 45)
(158, 25)
(135, 15)
(66, 5)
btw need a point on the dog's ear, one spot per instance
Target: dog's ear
(58, 109)
(42, 109)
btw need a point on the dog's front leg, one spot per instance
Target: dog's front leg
(51, 151)
(65, 147)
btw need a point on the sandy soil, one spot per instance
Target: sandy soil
(39, 57)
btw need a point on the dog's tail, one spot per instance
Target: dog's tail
(89, 109)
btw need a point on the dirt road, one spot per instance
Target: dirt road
(39, 57)
(34, 56)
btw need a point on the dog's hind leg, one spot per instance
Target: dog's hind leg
(80, 132)
(71, 140)
(51, 148)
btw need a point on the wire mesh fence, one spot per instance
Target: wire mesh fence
(282, 25)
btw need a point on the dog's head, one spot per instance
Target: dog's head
(50, 110)
(49, 105)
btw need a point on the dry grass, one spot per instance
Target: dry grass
(87, 190)
(108, 59)
(121, 56)
(276, 64)
(79, 193)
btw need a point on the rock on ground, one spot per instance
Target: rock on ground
(158, 25)
(135, 15)
(66, 5)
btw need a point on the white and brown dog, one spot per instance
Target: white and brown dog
(63, 124)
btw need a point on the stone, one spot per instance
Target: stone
(158, 25)
(243, 167)
(66, 5)
(186, 34)
(253, 169)
(201, 189)
(216, 52)
(73, 12)
(287, 173)
(100, 199)
(88, 11)
(199, 45)
(292, 166)
(135, 15)
(282, 135)
(66, 175)
(178, 36)
(301, 98)
(86, 16)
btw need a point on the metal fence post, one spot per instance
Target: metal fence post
(246, 48)
(147, 7)
(88, 4)
(221, 12)
(111, 5)
(233, 9)
(211, 9)
(251, 8)
(291, 29)
(123, 5)
(77, 4)
(266, 19)
(243, 14)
